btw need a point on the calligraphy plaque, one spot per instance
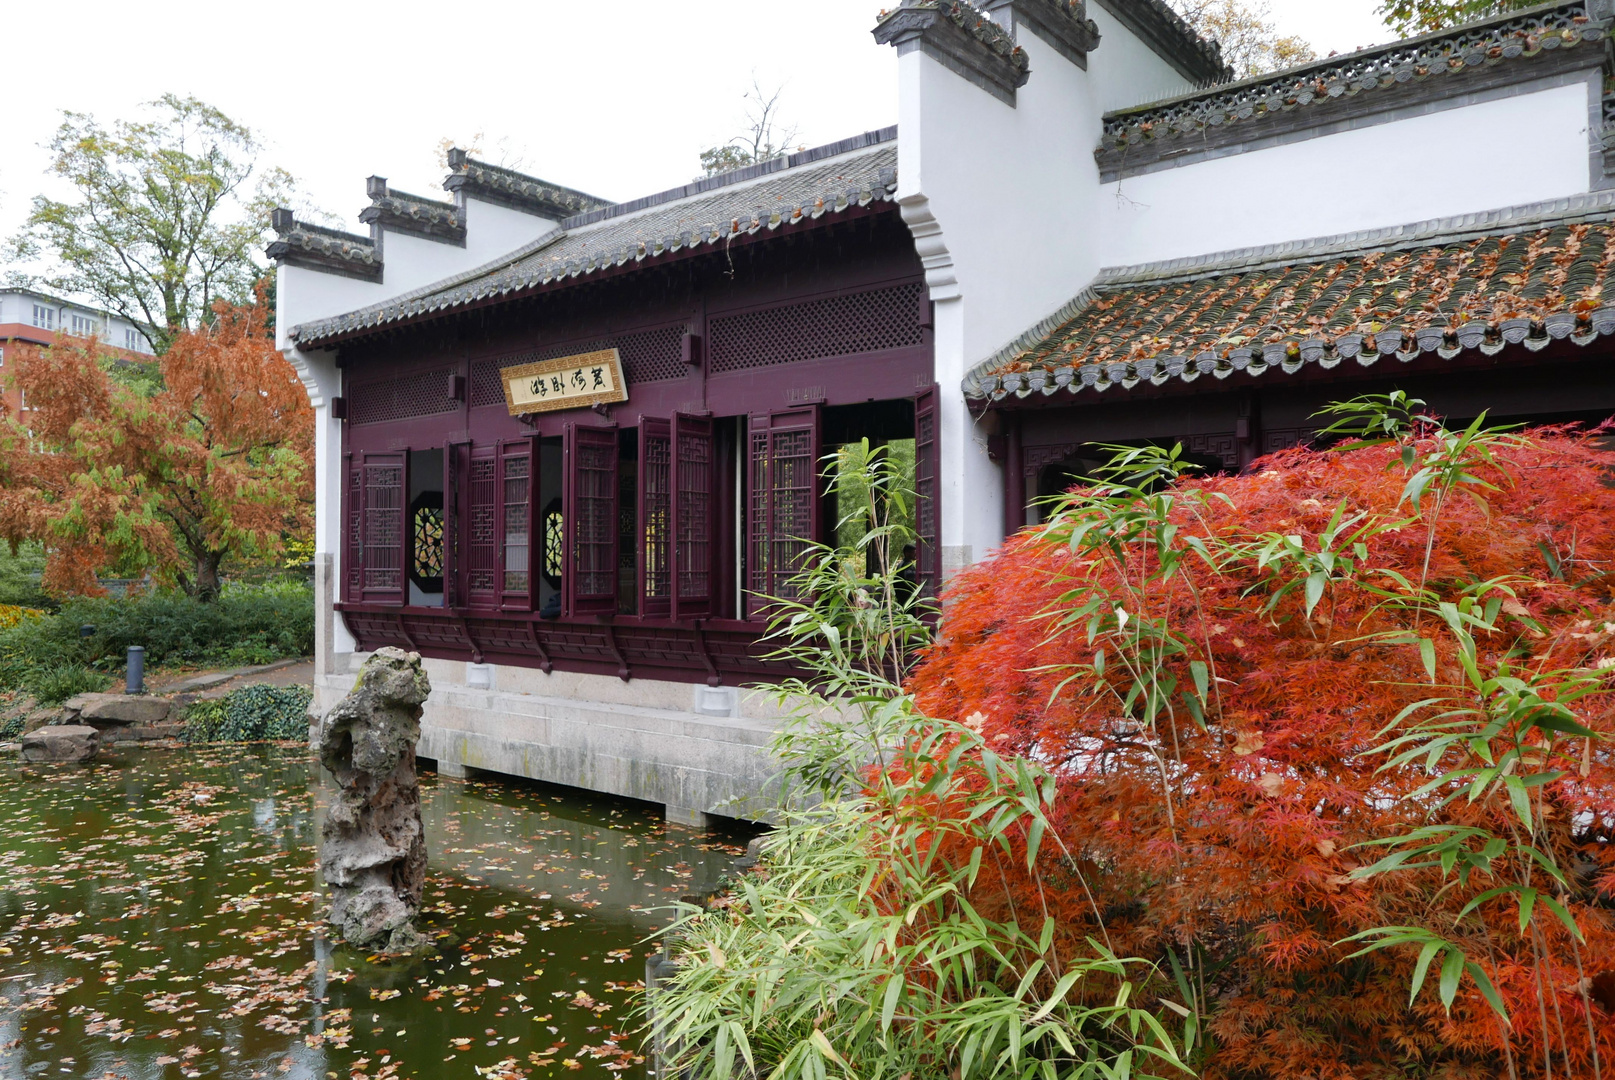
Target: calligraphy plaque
(566, 382)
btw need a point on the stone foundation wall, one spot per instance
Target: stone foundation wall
(642, 739)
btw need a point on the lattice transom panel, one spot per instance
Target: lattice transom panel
(834, 326)
(402, 398)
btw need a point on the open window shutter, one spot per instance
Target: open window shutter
(456, 470)
(589, 512)
(516, 546)
(353, 529)
(655, 508)
(482, 528)
(384, 540)
(694, 482)
(927, 506)
(783, 517)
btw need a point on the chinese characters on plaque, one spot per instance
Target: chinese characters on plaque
(566, 382)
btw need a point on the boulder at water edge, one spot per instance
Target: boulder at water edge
(373, 853)
(70, 743)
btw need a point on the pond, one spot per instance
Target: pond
(160, 916)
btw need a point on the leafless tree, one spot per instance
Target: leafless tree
(764, 137)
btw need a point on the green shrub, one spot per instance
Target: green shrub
(251, 714)
(54, 685)
(19, 577)
(248, 624)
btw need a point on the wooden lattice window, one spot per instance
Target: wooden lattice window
(516, 524)
(840, 325)
(482, 528)
(589, 514)
(655, 512)
(783, 511)
(381, 528)
(695, 477)
(352, 529)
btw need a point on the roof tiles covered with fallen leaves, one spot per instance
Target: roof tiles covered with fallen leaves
(1526, 286)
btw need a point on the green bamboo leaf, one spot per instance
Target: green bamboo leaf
(888, 1006)
(1314, 591)
(1034, 841)
(1452, 969)
(1564, 916)
(1520, 799)
(1546, 720)
(1422, 968)
(1061, 988)
(1202, 678)
(1427, 652)
(1488, 991)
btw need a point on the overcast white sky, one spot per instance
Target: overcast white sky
(614, 97)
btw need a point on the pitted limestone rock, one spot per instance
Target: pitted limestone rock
(374, 850)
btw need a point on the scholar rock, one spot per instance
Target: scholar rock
(374, 850)
(69, 743)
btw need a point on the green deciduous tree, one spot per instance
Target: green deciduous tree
(1410, 17)
(167, 216)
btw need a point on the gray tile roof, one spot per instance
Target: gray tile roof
(805, 186)
(1528, 276)
(507, 186)
(304, 243)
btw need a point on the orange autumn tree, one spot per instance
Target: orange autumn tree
(1332, 746)
(214, 466)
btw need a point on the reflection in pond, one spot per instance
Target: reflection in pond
(159, 917)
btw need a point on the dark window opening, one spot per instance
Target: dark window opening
(425, 524)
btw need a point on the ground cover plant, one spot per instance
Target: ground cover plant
(246, 625)
(251, 714)
(1330, 744)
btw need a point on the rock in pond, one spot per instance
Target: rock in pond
(373, 853)
(72, 743)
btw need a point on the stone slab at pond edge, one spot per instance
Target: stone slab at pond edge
(104, 709)
(62, 743)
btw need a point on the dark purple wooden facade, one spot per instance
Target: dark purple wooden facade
(1046, 441)
(676, 505)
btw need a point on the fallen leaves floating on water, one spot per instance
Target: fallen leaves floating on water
(162, 917)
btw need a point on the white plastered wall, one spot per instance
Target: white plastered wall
(1123, 70)
(1526, 148)
(492, 231)
(999, 199)
(300, 296)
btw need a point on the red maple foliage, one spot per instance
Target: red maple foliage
(1213, 820)
(215, 464)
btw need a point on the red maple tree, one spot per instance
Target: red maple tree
(215, 464)
(1323, 734)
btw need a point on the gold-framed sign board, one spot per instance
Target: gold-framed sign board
(566, 382)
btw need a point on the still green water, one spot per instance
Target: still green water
(160, 916)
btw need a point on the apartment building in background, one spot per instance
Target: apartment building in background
(29, 317)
